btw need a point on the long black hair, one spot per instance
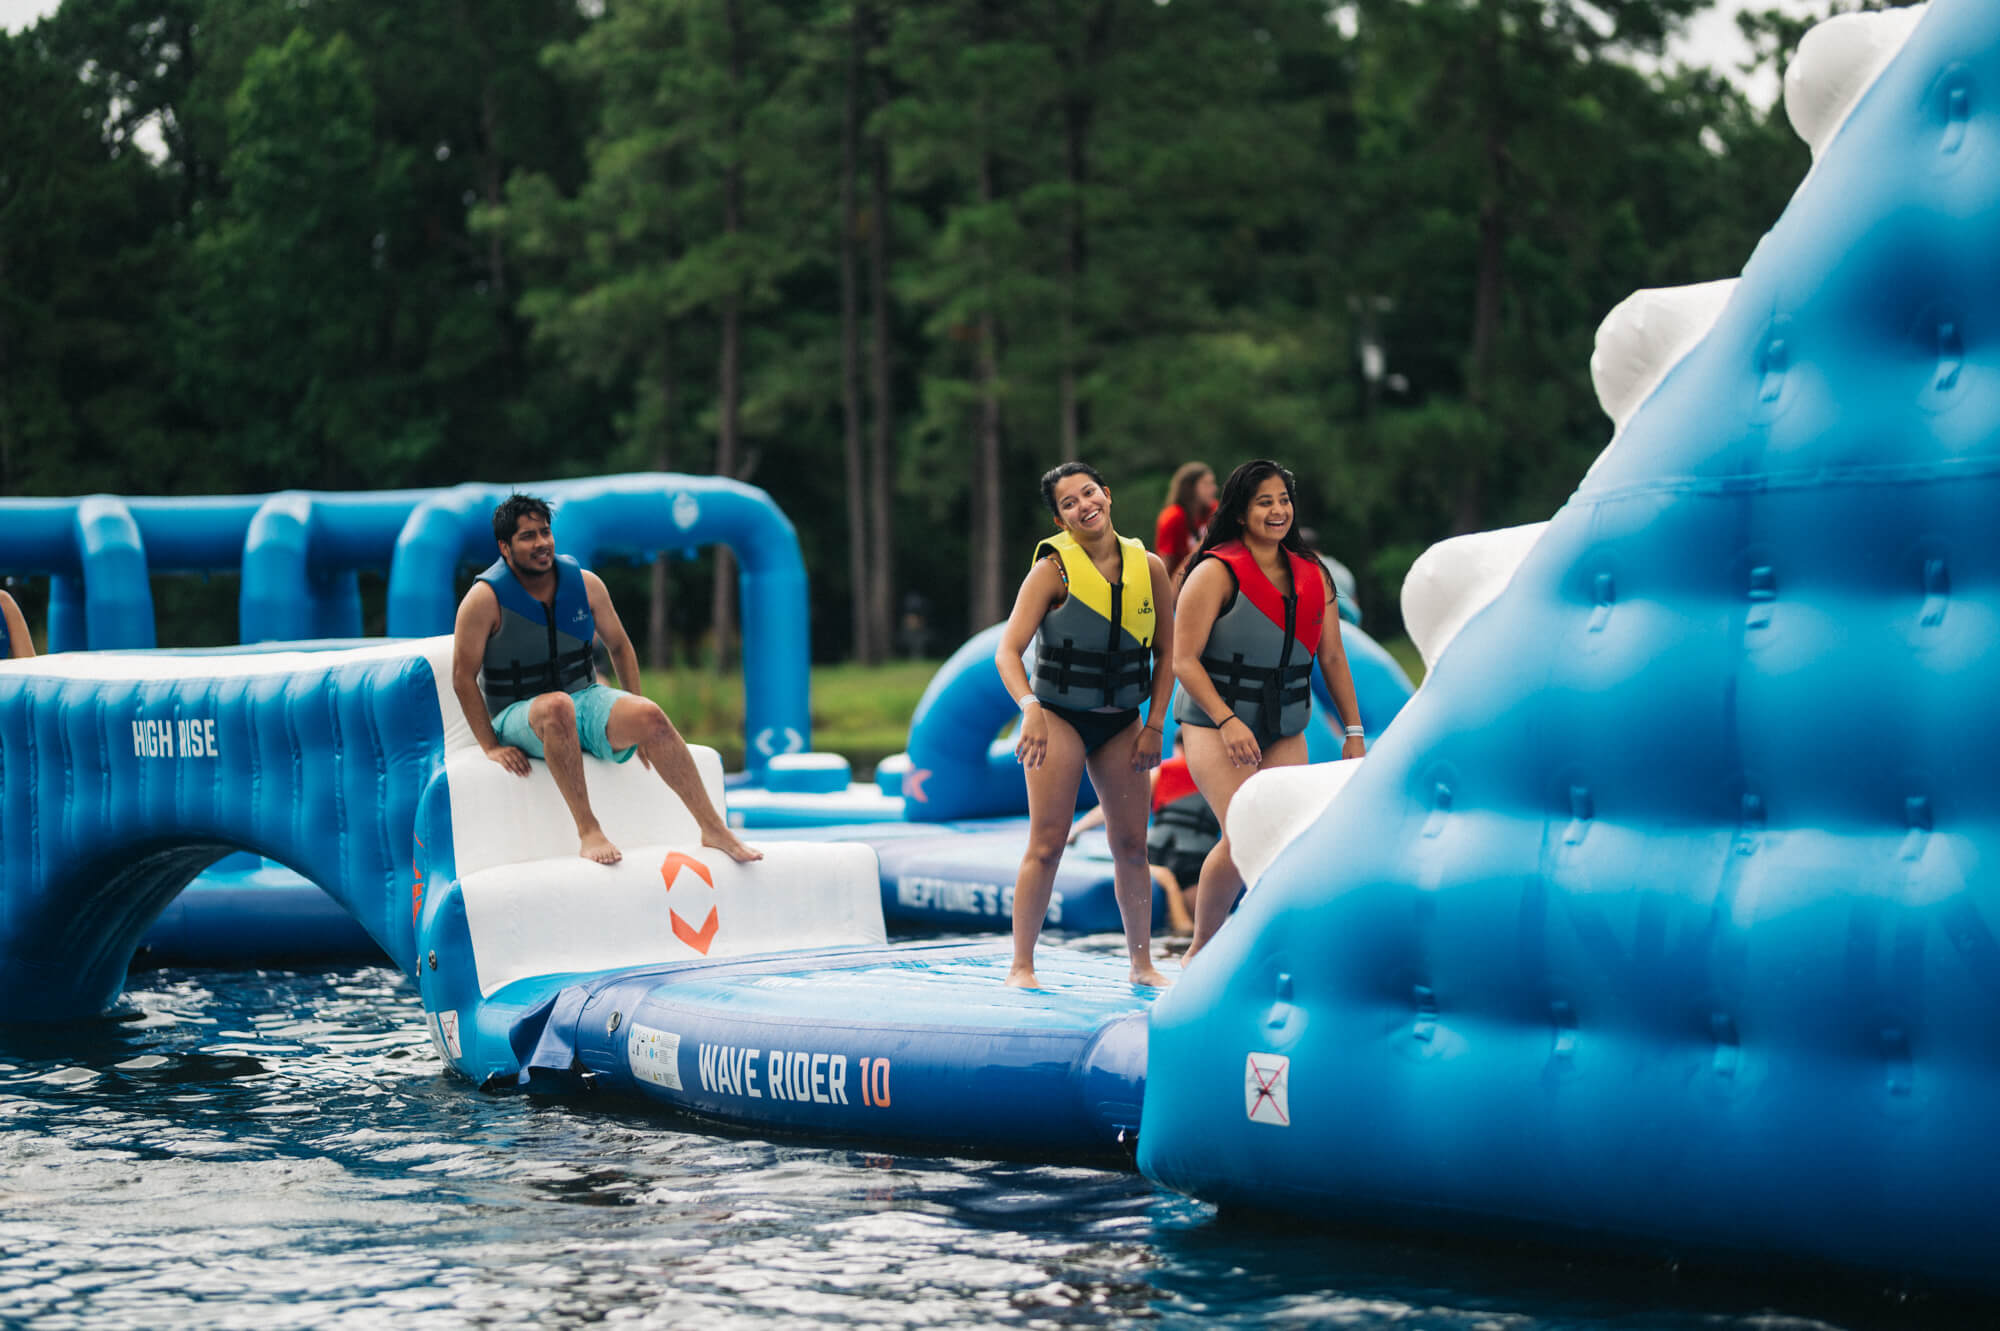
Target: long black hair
(1233, 506)
(1054, 474)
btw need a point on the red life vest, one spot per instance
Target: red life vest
(1260, 652)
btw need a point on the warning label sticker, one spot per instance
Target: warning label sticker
(1267, 1089)
(654, 1056)
(444, 1030)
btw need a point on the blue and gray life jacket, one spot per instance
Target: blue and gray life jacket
(539, 648)
(1096, 648)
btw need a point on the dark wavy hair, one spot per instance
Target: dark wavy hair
(1233, 506)
(507, 517)
(1054, 474)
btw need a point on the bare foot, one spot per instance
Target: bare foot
(1022, 977)
(730, 844)
(597, 846)
(1188, 956)
(1150, 978)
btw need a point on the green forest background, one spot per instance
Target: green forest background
(888, 261)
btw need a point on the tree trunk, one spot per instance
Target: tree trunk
(491, 172)
(1079, 111)
(1076, 131)
(659, 641)
(881, 458)
(988, 574)
(1468, 503)
(729, 386)
(867, 646)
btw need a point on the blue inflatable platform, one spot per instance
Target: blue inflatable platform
(918, 1044)
(1662, 919)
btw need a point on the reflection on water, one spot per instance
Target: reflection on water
(267, 1149)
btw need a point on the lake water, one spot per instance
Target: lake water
(278, 1149)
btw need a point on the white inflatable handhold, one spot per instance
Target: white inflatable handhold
(1456, 579)
(1835, 64)
(668, 903)
(1273, 807)
(1645, 336)
(499, 818)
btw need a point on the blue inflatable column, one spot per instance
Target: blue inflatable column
(68, 629)
(278, 601)
(117, 598)
(300, 553)
(447, 530)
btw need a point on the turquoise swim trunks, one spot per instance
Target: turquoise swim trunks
(593, 719)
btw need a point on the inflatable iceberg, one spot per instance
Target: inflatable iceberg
(1661, 918)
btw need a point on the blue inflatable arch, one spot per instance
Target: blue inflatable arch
(123, 775)
(632, 518)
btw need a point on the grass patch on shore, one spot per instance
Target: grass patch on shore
(861, 712)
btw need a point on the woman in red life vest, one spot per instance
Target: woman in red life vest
(1184, 521)
(1256, 610)
(1100, 612)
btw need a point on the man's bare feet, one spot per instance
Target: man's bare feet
(1022, 977)
(597, 846)
(1149, 977)
(726, 841)
(1188, 956)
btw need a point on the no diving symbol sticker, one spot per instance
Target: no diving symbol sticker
(1266, 1089)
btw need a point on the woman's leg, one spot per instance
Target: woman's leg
(1126, 798)
(1218, 780)
(1051, 804)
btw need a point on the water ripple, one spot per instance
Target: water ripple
(277, 1150)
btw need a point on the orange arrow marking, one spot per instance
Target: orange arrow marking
(913, 784)
(698, 939)
(671, 866)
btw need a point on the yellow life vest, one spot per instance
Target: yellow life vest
(1096, 648)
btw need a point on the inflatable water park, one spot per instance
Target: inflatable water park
(1654, 922)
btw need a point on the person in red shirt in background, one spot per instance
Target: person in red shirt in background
(1184, 830)
(1184, 521)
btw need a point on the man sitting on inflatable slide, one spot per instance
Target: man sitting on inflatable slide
(521, 667)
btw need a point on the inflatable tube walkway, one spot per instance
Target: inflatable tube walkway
(1665, 917)
(299, 553)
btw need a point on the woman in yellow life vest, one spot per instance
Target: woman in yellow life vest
(1099, 609)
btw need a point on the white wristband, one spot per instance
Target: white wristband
(1355, 730)
(1027, 700)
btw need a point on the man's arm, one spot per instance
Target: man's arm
(624, 657)
(478, 619)
(19, 644)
